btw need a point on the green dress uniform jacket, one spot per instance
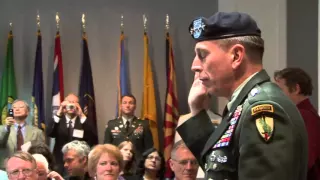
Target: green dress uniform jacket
(262, 136)
(138, 133)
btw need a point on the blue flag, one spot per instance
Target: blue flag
(86, 89)
(123, 83)
(37, 91)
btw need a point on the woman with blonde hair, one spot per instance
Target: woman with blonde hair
(128, 152)
(105, 162)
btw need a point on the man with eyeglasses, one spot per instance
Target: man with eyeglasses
(183, 163)
(21, 165)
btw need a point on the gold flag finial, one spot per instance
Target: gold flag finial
(58, 21)
(145, 22)
(38, 20)
(83, 20)
(121, 25)
(167, 22)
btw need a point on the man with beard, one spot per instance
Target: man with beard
(68, 124)
(128, 127)
(16, 134)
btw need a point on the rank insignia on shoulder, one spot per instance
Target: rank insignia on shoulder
(261, 108)
(265, 126)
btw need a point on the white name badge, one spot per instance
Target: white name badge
(78, 133)
(25, 147)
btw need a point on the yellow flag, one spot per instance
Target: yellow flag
(149, 108)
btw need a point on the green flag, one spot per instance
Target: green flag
(8, 81)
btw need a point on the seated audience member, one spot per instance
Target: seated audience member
(297, 85)
(151, 166)
(215, 119)
(3, 175)
(129, 127)
(16, 134)
(42, 148)
(70, 123)
(75, 156)
(183, 163)
(128, 152)
(43, 169)
(21, 165)
(105, 162)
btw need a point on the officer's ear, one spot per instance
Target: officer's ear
(237, 53)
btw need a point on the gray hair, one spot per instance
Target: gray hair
(253, 44)
(40, 158)
(176, 146)
(81, 147)
(25, 103)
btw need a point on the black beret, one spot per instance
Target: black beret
(223, 25)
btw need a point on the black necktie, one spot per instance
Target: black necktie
(127, 125)
(70, 130)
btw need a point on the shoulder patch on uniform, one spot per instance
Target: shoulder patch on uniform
(265, 126)
(261, 108)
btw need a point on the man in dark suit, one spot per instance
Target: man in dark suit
(262, 134)
(68, 124)
(128, 127)
(297, 85)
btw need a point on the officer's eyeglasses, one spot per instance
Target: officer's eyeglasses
(26, 172)
(185, 162)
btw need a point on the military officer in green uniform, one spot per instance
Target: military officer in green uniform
(262, 135)
(128, 127)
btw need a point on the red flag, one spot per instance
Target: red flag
(57, 89)
(171, 106)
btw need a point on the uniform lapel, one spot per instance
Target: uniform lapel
(29, 133)
(13, 136)
(120, 125)
(133, 125)
(260, 77)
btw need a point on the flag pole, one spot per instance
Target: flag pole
(83, 21)
(145, 23)
(167, 23)
(121, 25)
(58, 22)
(38, 20)
(10, 25)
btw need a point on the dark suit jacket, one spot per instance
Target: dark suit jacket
(255, 148)
(312, 121)
(59, 131)
(115, 134)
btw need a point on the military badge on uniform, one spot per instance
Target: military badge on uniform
(226, 137)
(139, 129)
(262, 108)
(197, 28)
(265, 126)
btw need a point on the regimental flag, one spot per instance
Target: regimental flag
(8, 92)
(123, 78)
(171, 106)
(37, 91)
(57, 89)
(149, 109)
(86, 88)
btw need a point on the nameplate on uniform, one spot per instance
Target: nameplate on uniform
(78, 133)
(261, 108)
(226, 137)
